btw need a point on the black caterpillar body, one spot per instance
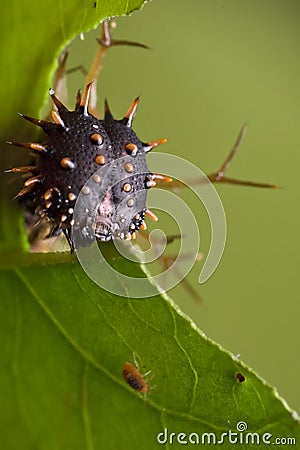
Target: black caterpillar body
(76, 145)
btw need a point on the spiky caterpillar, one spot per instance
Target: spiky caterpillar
(76, 145)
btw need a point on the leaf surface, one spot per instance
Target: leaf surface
(64, 352)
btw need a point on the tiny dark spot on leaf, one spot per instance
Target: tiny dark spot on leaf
(240, 377)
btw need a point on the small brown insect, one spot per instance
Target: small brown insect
(134, 378)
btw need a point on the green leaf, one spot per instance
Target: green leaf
(33, 35)
(63, 352)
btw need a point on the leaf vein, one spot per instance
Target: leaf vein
(85, 412)
(85, 355)
(196, 379)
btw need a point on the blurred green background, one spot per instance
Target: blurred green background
(214, 65)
